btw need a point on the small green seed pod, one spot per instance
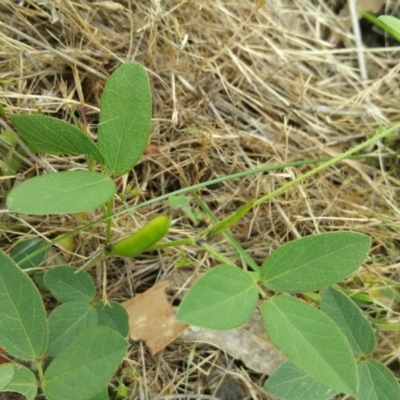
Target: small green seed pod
(144, 238)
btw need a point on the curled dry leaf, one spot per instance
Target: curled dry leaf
(249, 343)
(152, 319)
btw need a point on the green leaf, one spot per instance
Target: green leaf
(102, 395)
(12, 161)
(23, 328)
(288, 383)
(25, 248)
(311, 341)
(66, 284)
(376, 382)
(350, 320)
(6, 374)
(83, 368)
(315, 262)
(125, 117)
(393, 25)
(66, 322)
(54, 136)
(38, 277)
(224, 298)
(61, 193)
(23, 382)
(183, 203)
(114, 316)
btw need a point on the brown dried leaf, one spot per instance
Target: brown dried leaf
(248, 343)
(152, 319)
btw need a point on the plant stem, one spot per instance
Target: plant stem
(39, 366)
(91, 263)
(234, 243)
(233, 218)
(108, 223)
(181, 242)
(264, 169)
(217, 254)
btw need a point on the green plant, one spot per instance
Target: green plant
(143, 239)
(82, 338)
(78, 348)
(316, 323)
(183, 203)
(327, 347)
(387, 23)
(123, 133)
(290, 270)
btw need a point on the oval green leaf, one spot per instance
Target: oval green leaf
(7, 371)
(23, 382)
(61, 193)
(288, 383)
(25, 248)
(84, 367)
(114, 316)
(102, 395)
(350, 320)
(66, 322)
(376, 382)
(23, 327)
(66, 284)
(315, 262)
(392, 24)
(224, 298)
(311, 341)
(125, 117)
(54, 136)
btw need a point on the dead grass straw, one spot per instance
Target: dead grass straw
(234, 88)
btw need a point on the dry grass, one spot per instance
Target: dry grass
(234, 87)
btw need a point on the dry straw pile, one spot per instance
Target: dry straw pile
(235, 85)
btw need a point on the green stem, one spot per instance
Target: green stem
(109, 208)
(226, 178)
(234, 243)
(39, 366)
(175, 243)
(217, 254)
(386, 326)
(94, 261)
(233, 218)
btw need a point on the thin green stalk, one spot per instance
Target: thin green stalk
(232, 219)
(217, 254)
(174, 243)
(386, 326)
(189, 189)
(234, 243)
(238, 175)
(39, 366)
(109, 220)
(93, 262)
